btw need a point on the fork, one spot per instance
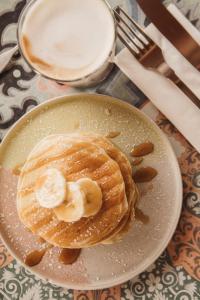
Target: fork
(143, 48)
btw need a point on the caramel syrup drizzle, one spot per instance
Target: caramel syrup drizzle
(69, 256)
(144, 174)
(142, 149)
(66, 257)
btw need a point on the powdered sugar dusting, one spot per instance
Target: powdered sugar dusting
(159, 202)
(22, 241)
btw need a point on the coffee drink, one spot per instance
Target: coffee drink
(68, 40)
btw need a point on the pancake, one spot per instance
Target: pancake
(131, 189)
(79, 156)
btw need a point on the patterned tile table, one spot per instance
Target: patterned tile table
(176, 274)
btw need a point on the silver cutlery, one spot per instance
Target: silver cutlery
(145, 50)
(174, 31)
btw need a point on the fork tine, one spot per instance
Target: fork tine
(128, 46)
(119, 9)
(130, 38)
(130, 29)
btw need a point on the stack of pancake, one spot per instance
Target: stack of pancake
(79, 156)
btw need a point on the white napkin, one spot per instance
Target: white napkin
(164, 94)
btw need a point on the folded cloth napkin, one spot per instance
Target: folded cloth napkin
(163, 93)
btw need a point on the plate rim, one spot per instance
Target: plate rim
(131, 274)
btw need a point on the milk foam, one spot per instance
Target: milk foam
(71, 38)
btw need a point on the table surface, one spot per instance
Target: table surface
(176, 274)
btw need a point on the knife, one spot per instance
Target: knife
(172, 30)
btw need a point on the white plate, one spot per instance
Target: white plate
(101, 266)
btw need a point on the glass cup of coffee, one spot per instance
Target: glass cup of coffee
(68, 41)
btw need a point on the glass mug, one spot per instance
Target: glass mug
(91, 78)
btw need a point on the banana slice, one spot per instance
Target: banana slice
(51, 188)
(93, 196)
(73, 209)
